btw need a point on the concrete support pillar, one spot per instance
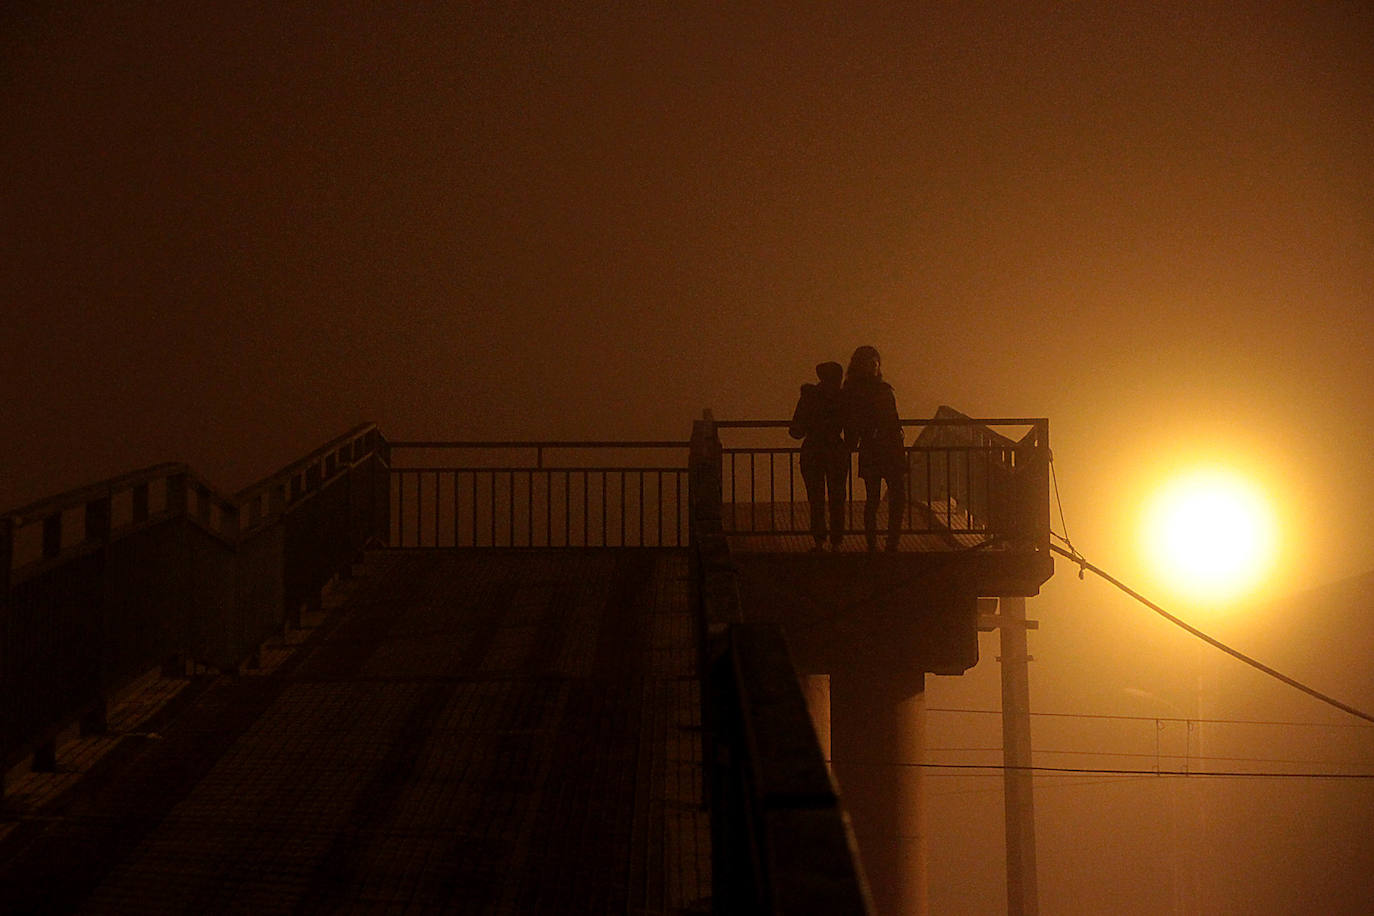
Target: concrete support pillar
(878, 730)
(1022, 890)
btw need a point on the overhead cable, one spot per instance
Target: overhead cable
(1083, 564)
(1108, 771)
(1284, 723)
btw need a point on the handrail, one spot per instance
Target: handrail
(929, 421)
(540, 443)
(522, 468)
(507, 493)
(79, 496)
(966, 482)
(48, 510)
(149, 575)
(301, 464)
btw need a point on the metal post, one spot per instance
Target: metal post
(1022, 890)
(6, 556)
(95, 720)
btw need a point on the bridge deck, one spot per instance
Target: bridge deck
(472, 731)
(783, 527)
(784, 542)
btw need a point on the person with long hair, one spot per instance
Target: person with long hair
(872, 426)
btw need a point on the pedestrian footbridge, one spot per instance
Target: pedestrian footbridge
(496, 677)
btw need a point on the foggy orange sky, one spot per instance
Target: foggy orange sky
(229, 234)
(232, 233)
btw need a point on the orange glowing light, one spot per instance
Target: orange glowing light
(1210, 534)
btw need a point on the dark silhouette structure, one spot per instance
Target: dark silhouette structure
(534, 676)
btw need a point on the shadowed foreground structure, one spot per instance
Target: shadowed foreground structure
(498, 732)
(566, 680)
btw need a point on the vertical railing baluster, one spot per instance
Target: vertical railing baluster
(52, 535)
(968, 483)
(929, 484)
(140, 507)
(994, 497)
(949, 492)
(6, 553)
(734, 521)
(772, 495)
(753, 493)
(906, 501)
(792, 493)
(97, 519)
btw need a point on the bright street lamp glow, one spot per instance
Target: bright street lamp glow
(1210, 534)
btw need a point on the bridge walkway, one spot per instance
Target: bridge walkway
(496, 731)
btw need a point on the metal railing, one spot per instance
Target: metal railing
(539, 494)
(983, 478)
(106, 582)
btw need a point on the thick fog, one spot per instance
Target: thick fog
(232, 233)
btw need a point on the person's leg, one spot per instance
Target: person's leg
(813, 475)
(896, 508)
(836, 477)
(873, 488)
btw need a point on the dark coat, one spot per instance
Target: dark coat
(871, 425)
(818, 420)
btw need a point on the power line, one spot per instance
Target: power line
(1200, 757)
(1091, 715)
(1151, 756)
(1124, 772)
(1107, 771)
(1058, 783)
(1083, 564)
(1058, 502)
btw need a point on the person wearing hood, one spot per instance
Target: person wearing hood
(872, 425)
(819, 422)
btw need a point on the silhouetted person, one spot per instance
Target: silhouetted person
(819, 422)
(872, 426)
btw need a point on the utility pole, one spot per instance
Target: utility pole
(1018, 789)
